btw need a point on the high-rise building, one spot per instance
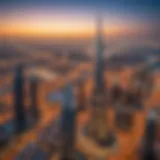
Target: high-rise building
(124, 115)
(99, 86)
(68, 120)
(98, 129)
(116, 93)
(34, 98)
(68, 130)
(81, 96)
(20, 119)
(147, 150)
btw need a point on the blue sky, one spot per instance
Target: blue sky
(148, 10)
(133, 6)
(130, 12)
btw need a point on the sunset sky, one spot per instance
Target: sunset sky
(63, 18)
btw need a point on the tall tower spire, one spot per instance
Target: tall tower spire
(99, 68)
(97, 127)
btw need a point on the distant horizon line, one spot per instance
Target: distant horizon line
(82, 35)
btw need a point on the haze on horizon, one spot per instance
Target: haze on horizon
(77, 18)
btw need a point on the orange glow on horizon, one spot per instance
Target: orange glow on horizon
(64, 24)
(60, 29)
(60, 32)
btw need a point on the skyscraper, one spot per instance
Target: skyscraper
(81, 96)
(68, 120)
(116, 93)
(34, 99)
(99, 86)
(98, 129)
(20, 119)
(124, 113)
(148, 150)
(68, 124)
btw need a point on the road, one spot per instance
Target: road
(49, 113)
